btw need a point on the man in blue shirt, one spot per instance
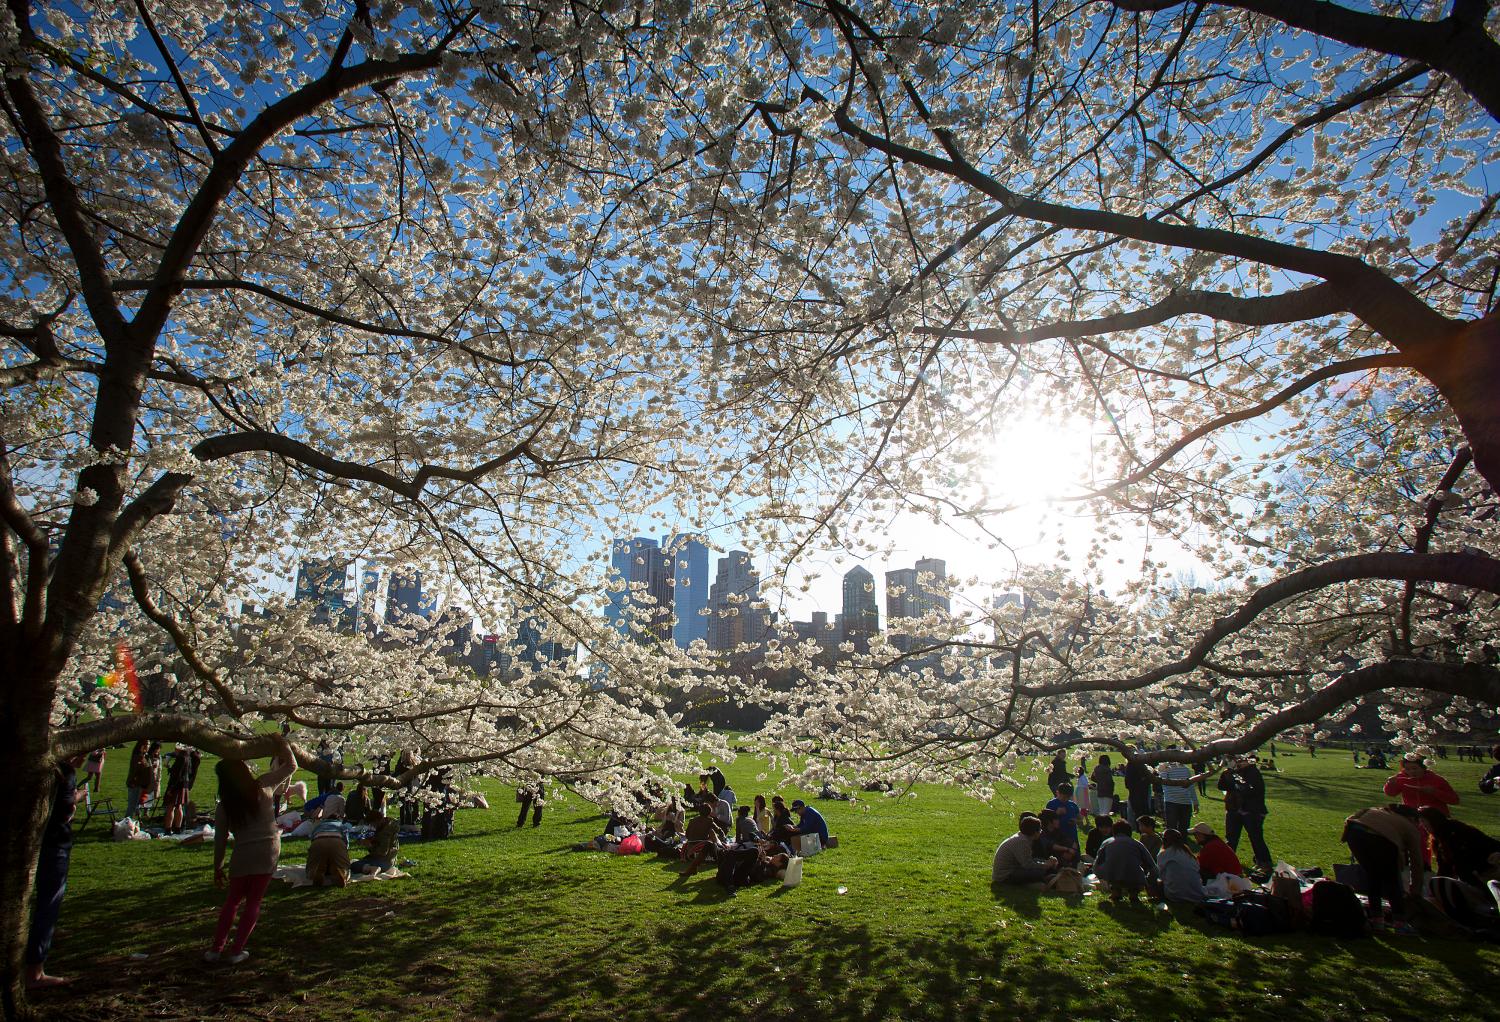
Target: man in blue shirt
(810, 821)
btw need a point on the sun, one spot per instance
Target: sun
(1036, 458)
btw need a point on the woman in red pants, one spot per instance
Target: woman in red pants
(246, 808)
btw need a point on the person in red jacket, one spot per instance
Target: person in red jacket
(1420, 787)
(1214, 855)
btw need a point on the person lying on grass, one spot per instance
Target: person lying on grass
(1124, 864)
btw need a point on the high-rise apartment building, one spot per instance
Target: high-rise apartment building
(912, 593)
(860, 620)
(403, 596)
(734, 614)
(644, 607)
(689, 557)
(322, 581)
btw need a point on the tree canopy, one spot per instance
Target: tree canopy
(462, 284)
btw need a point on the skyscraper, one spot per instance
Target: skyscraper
(733, 618)
(689, 557)
(860, 621)
(322, 581)
(403, 596)
(912, 593)
(644, 607)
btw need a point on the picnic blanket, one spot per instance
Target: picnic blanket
(297, 875)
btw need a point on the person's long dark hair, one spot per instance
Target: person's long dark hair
(238, 792)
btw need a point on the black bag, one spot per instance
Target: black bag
(1259, 913)
(1337, 911)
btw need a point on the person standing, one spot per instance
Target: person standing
(181, 774)
(1058, 772)
(1419, 787)
(52, 873)
(142, 776)
(1245, 808)
(1179, 795)
(1081, 788)
(246, 808)
(1103, 784)
(532, 798)
(1137, 790)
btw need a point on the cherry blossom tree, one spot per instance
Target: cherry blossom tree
(341, 280)
(1253, 246)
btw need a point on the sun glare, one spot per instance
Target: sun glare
(1035, 459)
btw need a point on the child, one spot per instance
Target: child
(1067, 815)
(1125, 865)
(1081, 786)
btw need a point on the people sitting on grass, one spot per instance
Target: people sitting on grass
(723, 813)
(1049, 842)
(328, 853)
(1181, 878)
(810, 821)
(1101, 832)
(1146, 834)
(762, 814)
(1490, 782)
(1214, 856)
(703, 838)
(1068, 813)
(1124, 864)
(783, 829)
(1015, 860)
(383, 845)
(745, 829)
(328, 806)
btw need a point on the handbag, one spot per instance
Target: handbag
(1065, 881)
(793, 872)
(1352, 874)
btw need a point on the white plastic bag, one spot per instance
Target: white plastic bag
(811, 845)
(793, 872)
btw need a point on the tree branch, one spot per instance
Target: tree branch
(139, 586)
(1473, 571)
(1457, 45)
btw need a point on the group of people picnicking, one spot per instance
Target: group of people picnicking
(748, 842)
(1406, 850)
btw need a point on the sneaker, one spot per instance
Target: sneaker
(210, 956)
(237, 957)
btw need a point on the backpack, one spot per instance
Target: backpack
(1065, 881)
(1337, 911)
(1259, 913)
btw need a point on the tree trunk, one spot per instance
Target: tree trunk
(1466, 371)
(23, 815)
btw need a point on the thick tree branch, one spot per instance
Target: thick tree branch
(1457, 45)
(1478, 682)
(1266, 310)
(1473, 571)
(1423, 538)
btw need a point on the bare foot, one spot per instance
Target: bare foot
(41, 981)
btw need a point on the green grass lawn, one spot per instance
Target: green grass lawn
(512, 924)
